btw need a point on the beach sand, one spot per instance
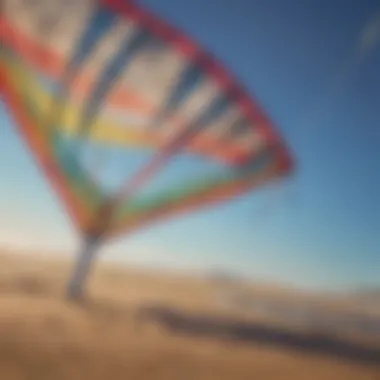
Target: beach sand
(43, 336)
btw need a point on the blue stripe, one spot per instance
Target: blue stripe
(101, 22)
(190, 79)
(239, 126)
(213, 112)
(110, 75)
(188, 82)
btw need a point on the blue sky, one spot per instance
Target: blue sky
(314, 65)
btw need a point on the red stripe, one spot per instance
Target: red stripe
(36, 53)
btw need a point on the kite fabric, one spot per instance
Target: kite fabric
(130, 120)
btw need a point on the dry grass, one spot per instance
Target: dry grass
(44, 337)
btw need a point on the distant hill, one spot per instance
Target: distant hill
(367, 292)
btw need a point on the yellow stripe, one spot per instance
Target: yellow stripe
(103, 130)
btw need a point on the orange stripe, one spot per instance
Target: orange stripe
(42, 152)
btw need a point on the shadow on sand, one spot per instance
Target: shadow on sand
(255, 334)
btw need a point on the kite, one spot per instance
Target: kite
(130, 120)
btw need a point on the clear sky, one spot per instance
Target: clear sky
(315, 67)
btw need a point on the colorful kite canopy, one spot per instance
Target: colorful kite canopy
(130, 120)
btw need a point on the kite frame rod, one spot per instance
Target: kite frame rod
(82, 268)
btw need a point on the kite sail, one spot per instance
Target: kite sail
(131, 121)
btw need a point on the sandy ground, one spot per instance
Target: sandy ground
(42, 336)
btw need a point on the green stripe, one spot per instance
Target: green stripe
(191, 189)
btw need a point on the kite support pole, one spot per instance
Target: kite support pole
(81, 271)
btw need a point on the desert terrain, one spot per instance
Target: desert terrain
(140, 325)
